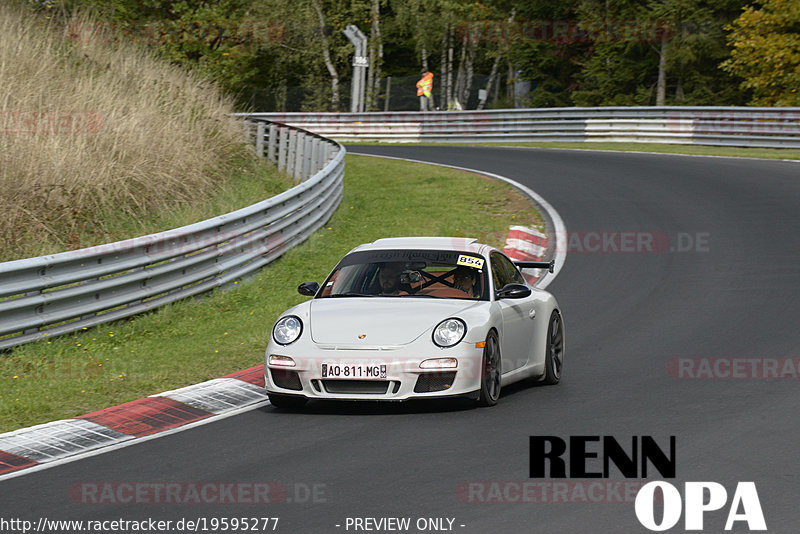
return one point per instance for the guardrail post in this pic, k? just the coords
(260, 139)
(315, 167)
(302, 157)
(291, 153)
(307, 157)
(273, 134)
(282, 134)
(247, 127)
(298, 157)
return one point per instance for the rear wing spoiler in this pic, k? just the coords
(549, 265)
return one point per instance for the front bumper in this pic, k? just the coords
(397, 374)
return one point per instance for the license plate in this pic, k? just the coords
(359, 371)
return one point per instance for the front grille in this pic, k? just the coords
(356, 387)
(283, 378)
(439, 381)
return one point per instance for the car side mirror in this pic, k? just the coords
(308, 289)
(514, 291)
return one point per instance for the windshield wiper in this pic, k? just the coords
(349, 294)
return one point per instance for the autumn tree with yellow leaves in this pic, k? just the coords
(766, 52)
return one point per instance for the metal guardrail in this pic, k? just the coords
(70, 291)
(724, 126)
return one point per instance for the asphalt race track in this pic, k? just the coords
(672, 260)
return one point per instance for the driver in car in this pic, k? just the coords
(389, 278)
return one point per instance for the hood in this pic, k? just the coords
(389, 321)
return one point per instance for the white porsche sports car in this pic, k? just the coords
(416, 317)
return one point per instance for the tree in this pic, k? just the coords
(326, 55)
(547, 49)
(375, 55)
(646, 52)
(692, 44)
(620, 66)
(766, 52)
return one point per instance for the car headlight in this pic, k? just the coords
(449, 332)
(287, 330)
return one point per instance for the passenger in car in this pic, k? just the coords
(464, 280)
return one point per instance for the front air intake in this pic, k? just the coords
(356, 387)
(284, 378)
(430, 382)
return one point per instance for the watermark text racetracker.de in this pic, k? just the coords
(148, 525)
(636, 242)
(162, 32)
(56, 369)
(50, 122)
(733, 368)
(548, 492)
(194, 493)
(735, 122)
(566, 31)
(179, 242)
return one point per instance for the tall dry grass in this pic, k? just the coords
(91, 130)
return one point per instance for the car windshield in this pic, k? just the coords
(409, 274)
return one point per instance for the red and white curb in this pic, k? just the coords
(526, 244)
(52, 443)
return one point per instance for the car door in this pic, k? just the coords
(517, 331)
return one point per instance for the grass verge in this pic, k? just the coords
(196, 340)
(661, 148)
